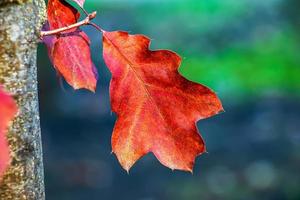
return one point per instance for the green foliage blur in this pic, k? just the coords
(241, 48)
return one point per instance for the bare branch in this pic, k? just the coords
(86, 21)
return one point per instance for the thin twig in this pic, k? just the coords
(76, 25)
(96, 26)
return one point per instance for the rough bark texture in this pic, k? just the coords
(20, 23)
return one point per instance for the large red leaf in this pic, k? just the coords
(70, 50)
(157, 108)
(8, 110)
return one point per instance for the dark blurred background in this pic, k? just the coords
(245, 50)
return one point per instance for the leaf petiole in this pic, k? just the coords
(96, 26)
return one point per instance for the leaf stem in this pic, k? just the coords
(96, 26)
(76, 25)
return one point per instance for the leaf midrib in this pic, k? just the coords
(142, 81)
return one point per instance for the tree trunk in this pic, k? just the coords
(20, 23)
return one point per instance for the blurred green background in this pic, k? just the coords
(245, 50)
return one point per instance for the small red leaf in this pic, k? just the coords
(72, 58)
(70, 50)
(8, 109)
(61, 14)
(157, 108)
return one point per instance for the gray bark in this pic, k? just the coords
(20, 23)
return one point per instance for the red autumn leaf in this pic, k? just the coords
(8, 109)
(70, 50)
(157, 108)
(72, 58)
(61, 14)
